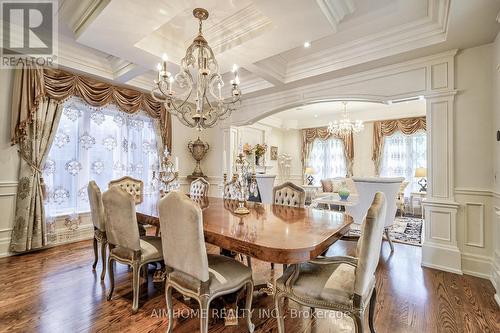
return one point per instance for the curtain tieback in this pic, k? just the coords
(36, 170)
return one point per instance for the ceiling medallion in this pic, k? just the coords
(345, 126)
(199, 73)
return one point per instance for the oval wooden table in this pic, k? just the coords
(272, 233)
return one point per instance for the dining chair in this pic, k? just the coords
(134, 187)
(367, 187)
(289, 194)
(98, 220)
(345, 284)
(125, 244)
(190, 270)
(199, 188)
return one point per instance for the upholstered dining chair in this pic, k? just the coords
(289, 194)
(98, 220)
(135, 187)
(125, 245)
(190, 270)
(199, 188)
(367, 187)
(345, 284)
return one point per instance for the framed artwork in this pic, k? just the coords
(274, 153)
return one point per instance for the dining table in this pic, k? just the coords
(272, 233)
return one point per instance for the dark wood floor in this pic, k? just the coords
(55, 290)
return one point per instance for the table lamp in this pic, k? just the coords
(422, 174)
(309, 172)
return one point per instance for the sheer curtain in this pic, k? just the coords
(327, 157)
(401, 155)
(96, 144)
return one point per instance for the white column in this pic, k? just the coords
(439, 248)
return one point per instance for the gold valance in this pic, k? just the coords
(311, 134)
(31, 85)
(389, 127)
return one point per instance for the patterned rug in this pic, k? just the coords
(406, 230)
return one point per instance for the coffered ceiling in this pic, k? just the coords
(123, 40)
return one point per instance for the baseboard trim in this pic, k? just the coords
(477, 265)
(443, 258)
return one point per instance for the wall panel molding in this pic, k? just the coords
(474, 220)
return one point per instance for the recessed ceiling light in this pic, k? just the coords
(307, 44)
(163, 12)
(315, 116)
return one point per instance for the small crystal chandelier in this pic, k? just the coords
(199, 72)
(345, 126)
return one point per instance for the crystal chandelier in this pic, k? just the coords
(167, 177)
(345, 126)
(198, 81)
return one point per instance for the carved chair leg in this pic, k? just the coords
(136, 270)
(279, 311)
(111, 274)
(96, 256)
(204, 307)
(157, 232)
(371, 310)
(170, 308)
(103, 256)
(386, 230)
(272, 265)
(248, 306)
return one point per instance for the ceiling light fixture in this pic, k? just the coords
(199, 73)
(345, 126)
(307, 44)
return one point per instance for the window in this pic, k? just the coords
(100, 145)
(402, 154)
(327, 158)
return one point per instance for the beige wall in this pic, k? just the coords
(363, 165)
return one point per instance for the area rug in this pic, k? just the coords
(406, 230)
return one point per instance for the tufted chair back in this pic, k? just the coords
(121, 221)
(368, 247)
(227, 189)
(132, 186)
(96, 207)
(199, 188)
(289, 194)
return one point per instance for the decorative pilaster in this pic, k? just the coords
(439, 249)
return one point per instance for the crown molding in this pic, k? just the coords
(81, 15)
(336, 10)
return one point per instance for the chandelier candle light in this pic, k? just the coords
(199, 71)
(345, 126)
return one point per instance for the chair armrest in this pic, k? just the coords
(334, 260)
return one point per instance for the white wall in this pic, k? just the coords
(473, 163)
(363, 165)
(495, 68)
(9, 163)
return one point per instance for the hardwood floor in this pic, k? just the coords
(55, 290)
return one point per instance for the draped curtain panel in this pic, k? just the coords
(37, 101)
(32, 84)
(321, 133)
(385, 128)
(29, 231)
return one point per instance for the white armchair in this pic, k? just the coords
(367, 187)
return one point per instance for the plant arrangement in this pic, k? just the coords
(259, 149)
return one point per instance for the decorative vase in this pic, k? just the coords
(198, 150)
(344, 192)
